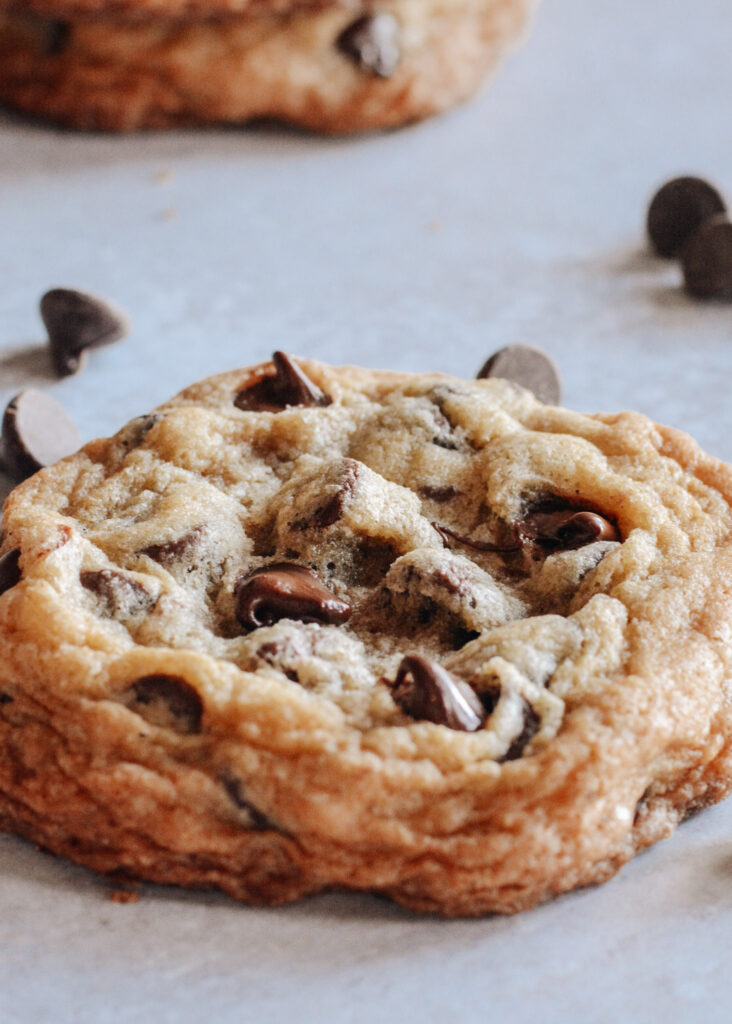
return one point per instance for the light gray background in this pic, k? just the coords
(518, 217)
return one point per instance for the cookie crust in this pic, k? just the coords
(126, 71)
(283, 766)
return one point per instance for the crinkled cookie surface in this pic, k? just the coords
(306, 628)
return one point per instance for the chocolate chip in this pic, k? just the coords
(287, 386)
(10, 573)
(36, 432)
(529, 367)
(286, 590)
(424, 690)
(235, 790)
(566, 528)
(373, 42)
(166, 701)
(677, 210)
(120, 595)
(77, 321)
(333, 510)
(707, 260)
(530, 729)
(439, 494)
(58, 34)
(5, 698)
(173, 551)
(447, 535)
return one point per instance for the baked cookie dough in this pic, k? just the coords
(306, 628)
(327, 65)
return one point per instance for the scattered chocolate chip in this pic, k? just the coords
(58, 34)
(10, 573)
(286, 387)
(479, 545)
(424, 690)
(77, 321)
(707, 260)
(439, 494)
(462, 636)
(530, 729)
(136, 430)
(677, 210)
(373, 42)
(566, 528)
(529, 367)
(166, 701)
(5, 698)
(120, 595)
(286, 590)
(331, 512)
(36, 432)
(259, 822)
(173, 551)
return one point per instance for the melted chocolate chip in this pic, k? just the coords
(77, 321)
(479, 545)
(286, 590)
(530, 729)
(287, 386)
(166, 701)
(57, 37)
(173, 551)
(5, 698)
(235, 790)
(331, 512)
(529, 367)
(120, 595)
(424, 690)
(373, 42)
(36, 432)
(10, 573)
(439, 494)
(677, 210)
(566, 529)
(707, 260)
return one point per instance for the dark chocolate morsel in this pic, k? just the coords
(333, 510)
(479, 545)
(166, 701)
(566, 529)
(10, 573)
(707, 260)
(426, 691)
(172, 551)
(677, 210)
(77, 321)
(120, 595)
(287, 386)
(529, 367)
(36, 432)
(5, 698)
(439, 494)
(373, 42)
(259, 822)
(530, 729)
(57, 37)
(286, 590)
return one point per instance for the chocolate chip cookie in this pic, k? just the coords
(328, 65)
(305, 628)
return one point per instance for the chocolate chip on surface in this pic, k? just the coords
(10, 573)
(332, 511)
(120, 594)
(426, 691)
(707, 260)
(677, 210)
(446, 534)
(166, 701)
(566, 528)
(287, 386)
(173, 551)
(36, 432)
(286, 590)
(532, 721)
(258, 821)
(434, 492)
(373, 42)
(77, 321)
(529, 367)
